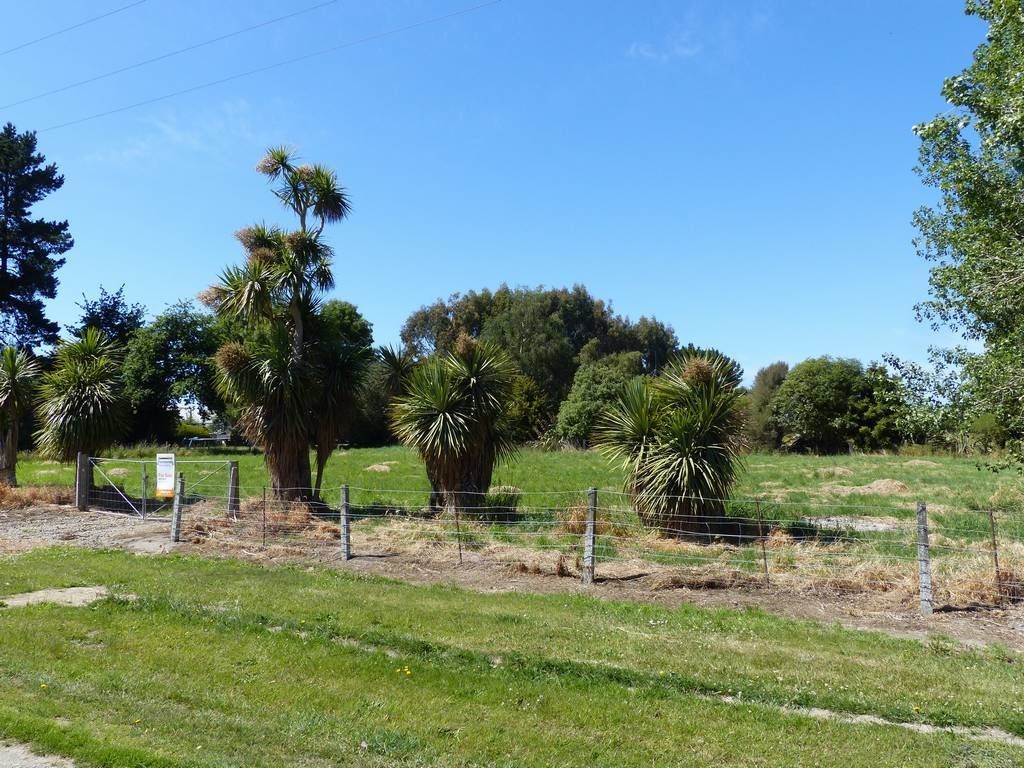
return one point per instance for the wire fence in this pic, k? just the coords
(897, 553)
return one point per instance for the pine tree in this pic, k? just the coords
(30, 248)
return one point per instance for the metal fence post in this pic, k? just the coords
(924, 565)
(346, 533)
(83, 481)
(179, 502)
(234, 503)
(145, 483)
(587, 574)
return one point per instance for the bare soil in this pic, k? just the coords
(511, 571)
(17, 756)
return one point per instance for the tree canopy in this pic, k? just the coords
(30, 248)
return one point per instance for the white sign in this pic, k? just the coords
(165, 475)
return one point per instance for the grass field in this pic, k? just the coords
(221, 663)
(943, 481)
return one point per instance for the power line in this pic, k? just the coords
(169, 54)
(285, 62)
(73, 26)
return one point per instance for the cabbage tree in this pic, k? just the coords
(678, 437)
(19, 374)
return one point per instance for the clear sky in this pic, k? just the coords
(741, 170)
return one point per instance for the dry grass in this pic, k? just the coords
(574, 520)
(884, 487)
(23, 498)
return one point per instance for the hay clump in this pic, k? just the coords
(574, 520)
(884, 487)
(833, 472)
(31, 496)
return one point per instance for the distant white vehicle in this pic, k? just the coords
(206, 442)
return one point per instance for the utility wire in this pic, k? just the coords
(73, 26)
(285, 62)
(169, 54)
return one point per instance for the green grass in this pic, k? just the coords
(960, 482)
(224, 663)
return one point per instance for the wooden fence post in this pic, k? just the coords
(995, 557)
(587, 573)
(234, 503)
(346, 534)
(764, 547)
(83, 481)
(924, 565)
(179, 502)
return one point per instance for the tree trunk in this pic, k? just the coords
(289, 470)
(9, 453)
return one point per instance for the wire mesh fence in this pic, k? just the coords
(970, 557)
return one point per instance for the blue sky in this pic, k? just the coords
(741, 170)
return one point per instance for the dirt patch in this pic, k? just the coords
(75, 597)
(17, 756)
(885, 487)
(921, 463)
(46, 525)
(844, 523)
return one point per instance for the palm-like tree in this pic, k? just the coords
(292, 387)
(678, 437)
(18, 376)
(82, 406)
(453, 412)
(398, 365)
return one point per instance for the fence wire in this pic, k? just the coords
(976, 557)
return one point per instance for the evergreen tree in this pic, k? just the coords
(29, 247)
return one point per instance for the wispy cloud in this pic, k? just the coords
(679, 45)
(210, 131)
(701, 29)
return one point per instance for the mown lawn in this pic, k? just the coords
(223, 663)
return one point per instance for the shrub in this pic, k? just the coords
(594, 388)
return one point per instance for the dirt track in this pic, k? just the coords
(26, 529)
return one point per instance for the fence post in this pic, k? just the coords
(264, 517)
(145, 482)
(83, 481)
(587, 574)
(764, 547)
(346, 534)
(924, 564)
(234, 504)
(995, 557)
(179, 502)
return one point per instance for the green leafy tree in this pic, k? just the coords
(678, 438)
(548, 333)
(973, 154)
(282, 376)
(19, 373)
(82, 405)
(168, 366)
(30, 248)
(537, 341)
(454, 414)
(828, 405)
(111, 314)
(763, 430)
(595, 387)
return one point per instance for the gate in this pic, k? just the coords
(128, 485)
